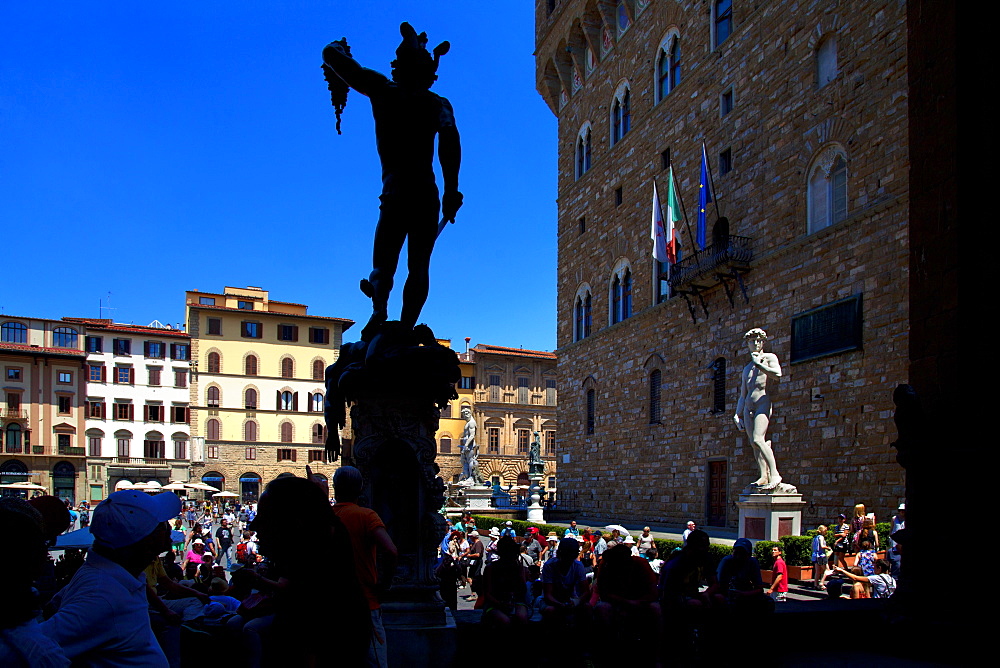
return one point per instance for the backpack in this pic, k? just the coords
(243, 555)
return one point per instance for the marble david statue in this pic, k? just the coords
(753, 410)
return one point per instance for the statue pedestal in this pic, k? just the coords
(770, 515)
(476, 497)
(535, 511)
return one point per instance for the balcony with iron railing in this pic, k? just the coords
(713, 264)
(14, 413)
(69, 451)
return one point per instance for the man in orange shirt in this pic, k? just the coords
(368, 534)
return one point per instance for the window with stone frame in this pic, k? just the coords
(719, 385)
(317, 455)
(621, 114)
(154, 375)
(584, 150)
(94, 446)
(621, 294)
(493, 440)
(494, 387)
(655, 385)
(212, 397)
(64, 403)
(550, 442)
(582, 316)
(287, 368)
(251, 365)
(319, 433)
(250, 431)
(550, 391)
(214, 362)
(213, 430)
(445, 447)
(286, 454)
(722, 21)
(250, 398)
(826, 60)
(286, 432)
(180, 448)
(523, 441)
(523, 390)
(154, 449)
(123, 411)
(212, 451)
(827, 189)
(319, 370)
(668, 65)
(250, 452)
(591, 416)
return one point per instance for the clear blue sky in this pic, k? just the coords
(151, 148)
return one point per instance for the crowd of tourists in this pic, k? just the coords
(245, 577)
(241, 582)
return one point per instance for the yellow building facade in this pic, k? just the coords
(257, 391)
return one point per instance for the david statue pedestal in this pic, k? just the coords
(769, 507)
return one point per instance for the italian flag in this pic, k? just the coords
(663, 232)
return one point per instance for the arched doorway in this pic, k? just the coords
(13, 470)
(64, 481)
(249, 487)
(215, 479)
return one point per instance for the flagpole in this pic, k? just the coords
(687, 223)
(711, 181)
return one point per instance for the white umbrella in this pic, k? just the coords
(152, 484)
(622, 530)
(175, 486)
(123, 484)
(138, 485)
(202, 486)
(225, 494)
(23, 485)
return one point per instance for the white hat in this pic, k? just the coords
(509, 523)
(198, 541)
(473, 533)
(494, 531)
(629, 540)
(128, 516)
(902, 506)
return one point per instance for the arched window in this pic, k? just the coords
(582, 313)
(827, 189)
(584, 151)
(250, 398)
(668, 65)
(319, 369)
(319, 433)
(287, 368)
(285, 401)
(251, 365)
(722, 21)
(445, 445)
(213, 430)
(621, 294)
(655, 382)
(719, 385)
(616, 299)
(621, 114)
(826, 61)
(317, 403)
(250, 431)
(591, 418)
(212, 397)
(286, 432)
(64, 337)
(214, 363)
(13, 332)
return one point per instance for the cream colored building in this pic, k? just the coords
(512, 393)
(258, 389)
(42, 415)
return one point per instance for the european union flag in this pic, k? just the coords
(704, 198)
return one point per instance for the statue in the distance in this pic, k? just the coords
(407, 118)
(470, 450)
(753, 410)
